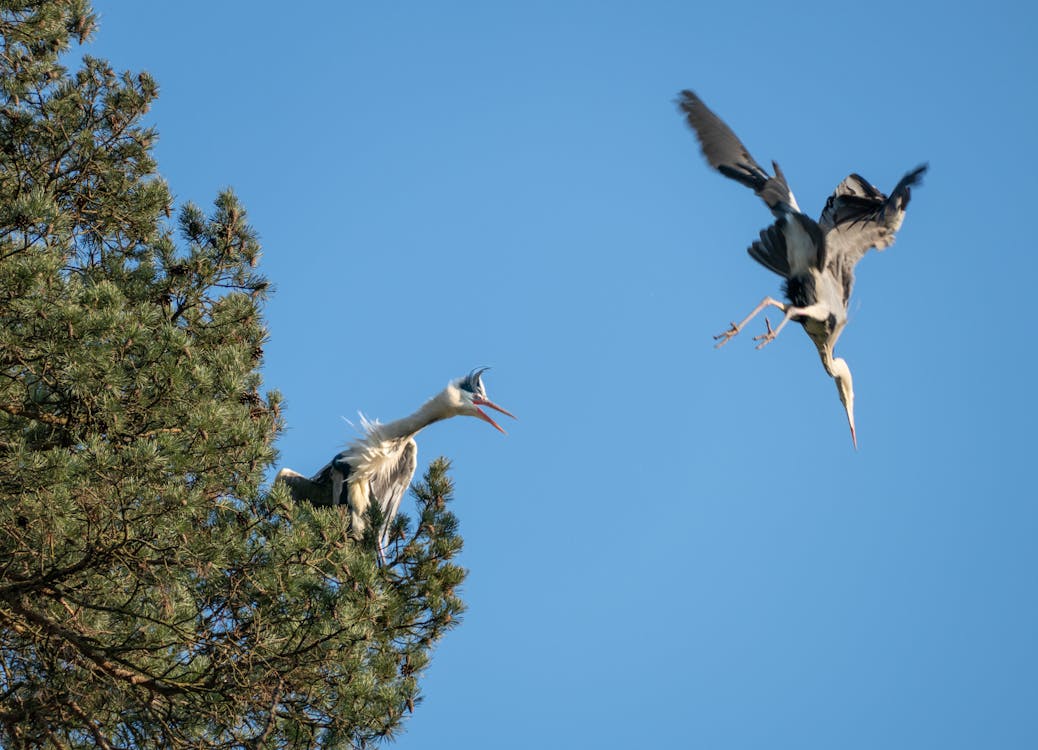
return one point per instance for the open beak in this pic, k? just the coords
(485, 417)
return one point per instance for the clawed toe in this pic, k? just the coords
(765, 338)
(726, 336)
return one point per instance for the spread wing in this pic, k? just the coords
(726, 153)
(858, 217)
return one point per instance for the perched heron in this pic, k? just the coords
(816, 259)
(379, 466)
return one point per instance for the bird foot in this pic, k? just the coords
(726, 336)
(766, 338)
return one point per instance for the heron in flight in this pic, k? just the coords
(816, 259)
(379, 465)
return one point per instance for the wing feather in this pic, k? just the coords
(790, 246)
(770, 251)
(727, 154)
(316, 490)
(858, 217)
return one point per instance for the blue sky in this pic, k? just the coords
(674, 546)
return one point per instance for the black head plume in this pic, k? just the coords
(473, 382)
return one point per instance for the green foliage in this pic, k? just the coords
(152, 592)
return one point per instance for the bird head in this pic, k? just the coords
(468, 394)
(845, 387)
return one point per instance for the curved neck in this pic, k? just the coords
(825, 353)
(431, 411)
(838, 369)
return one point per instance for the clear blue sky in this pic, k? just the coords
(674, 546)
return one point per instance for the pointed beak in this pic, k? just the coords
(850, 421)
(842, 377)
(485, 417)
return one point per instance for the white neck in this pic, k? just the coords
(431, 411)
(825, 352)
(838, 368)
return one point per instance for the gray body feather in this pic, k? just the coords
(816, 259)
(316, 490)
(379, 466)
(856, 217)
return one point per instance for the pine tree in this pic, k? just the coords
(153, 592)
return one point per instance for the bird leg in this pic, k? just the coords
(767, 338)
(736, 328)
(767, 324)
(817, 311)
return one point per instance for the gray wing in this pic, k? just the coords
(391, 482)
(790, 245)
(316, 490)
(726, 153)
(858, 217)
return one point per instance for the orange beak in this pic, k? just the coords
(478, 402)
